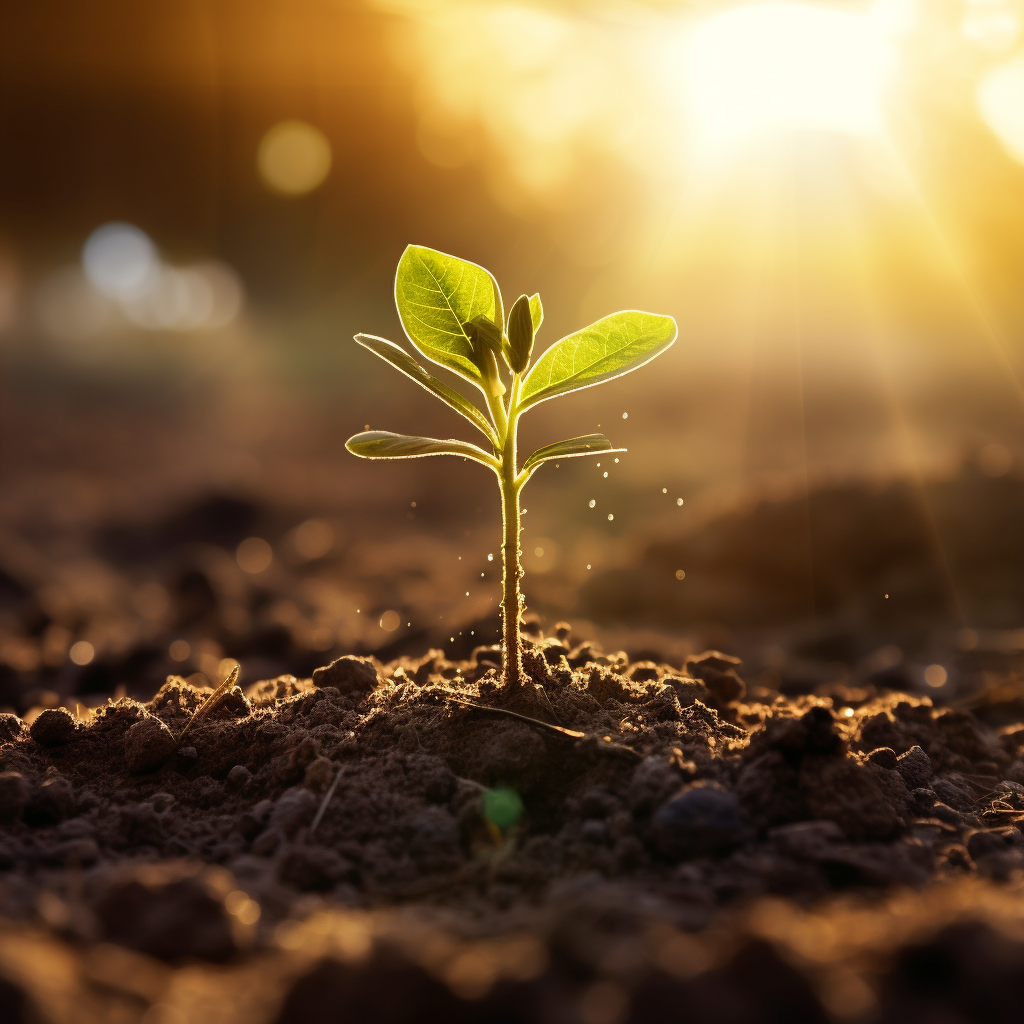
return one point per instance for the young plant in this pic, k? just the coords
(453, 314)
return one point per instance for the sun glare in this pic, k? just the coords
(755, 69)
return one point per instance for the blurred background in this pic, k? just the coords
(201, 203)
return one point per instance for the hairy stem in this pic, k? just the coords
(511, 565)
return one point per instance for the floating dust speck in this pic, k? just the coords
(605, 474)
(390, 621)
(664, 490)
(679, 501)
(625, 415)
(680, 574)
(936, 676)
(490, 558)
(610, 517)
(593, 502)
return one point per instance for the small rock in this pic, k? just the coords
(239, 776)
(984, 844)
(916, 768)
(15, 792)
(294, 807)
(347, 675)
(884, 757)
(314, 868)
(689, 690)
(54, 727)
(11, 727)
(699, 821)
(266, 844)
(718, 673)
(147, 744)
(55, 798)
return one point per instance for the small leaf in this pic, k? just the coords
(605, 350)
(436, 294)
(536, 311)
(404, 363)
(588, 444)
(382, 444)
(520, 334)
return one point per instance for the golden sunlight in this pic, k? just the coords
(760, 68)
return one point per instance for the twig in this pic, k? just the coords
(561, 730)
(326, 800)
(204, 709)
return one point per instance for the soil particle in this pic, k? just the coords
(54, 727)
(348, 675)
(147, 745)
(699, 821)
(15, 791)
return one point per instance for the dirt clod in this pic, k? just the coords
(54, 727)
(147, 745)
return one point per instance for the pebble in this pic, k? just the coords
(239, 775)
(147, 744)
(54, 727)
(699, 821)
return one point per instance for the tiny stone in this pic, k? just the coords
(54, 727)
(147, 744)
(239, 775)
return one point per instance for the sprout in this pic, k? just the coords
(452, 313)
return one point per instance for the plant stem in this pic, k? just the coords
(511, 565)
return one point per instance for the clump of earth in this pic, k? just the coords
(386, 836)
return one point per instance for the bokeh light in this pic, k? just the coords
(294, 158)
(120, 261)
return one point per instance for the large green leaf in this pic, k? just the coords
(382, 444)
(436, 294)
(588, 444)
(404, 363)
(611, 347)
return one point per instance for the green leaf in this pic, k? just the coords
(436, 294)
(404, 363)
(536, 311)
(605, 350)
(588, 444)
(382, 444)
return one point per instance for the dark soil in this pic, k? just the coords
(674, 841)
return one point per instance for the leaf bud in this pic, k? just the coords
(520, 334)
(485, 339)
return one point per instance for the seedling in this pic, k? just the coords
(453, 314)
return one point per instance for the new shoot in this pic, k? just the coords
(453, 314)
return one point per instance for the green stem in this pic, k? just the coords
(511, 564)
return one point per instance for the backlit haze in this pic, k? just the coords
(200, 205)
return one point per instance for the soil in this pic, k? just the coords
(383, 838)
